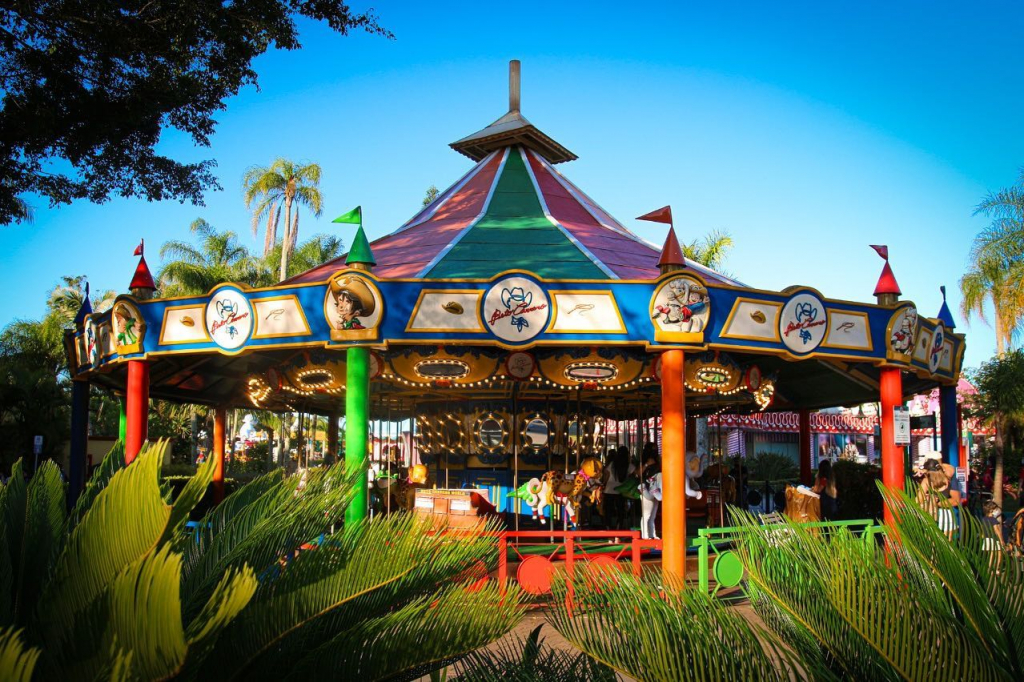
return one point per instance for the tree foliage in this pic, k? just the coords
(710, 251)
(995, 274)
(89, 86)
(194, 269)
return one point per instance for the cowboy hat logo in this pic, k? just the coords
(516, 300)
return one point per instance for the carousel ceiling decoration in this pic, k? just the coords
(713, 372)
(590, 368)
(443, 366)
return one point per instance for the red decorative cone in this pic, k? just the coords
(671, 254)
(143, 278)
(887, 282)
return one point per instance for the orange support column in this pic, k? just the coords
(673, 465)
(806, 472)
(219, 419)
(136, 409)
(891, 390)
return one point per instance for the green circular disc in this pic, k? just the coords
(728, 569)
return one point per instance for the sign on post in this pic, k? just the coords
(37, 445)
(901, 424)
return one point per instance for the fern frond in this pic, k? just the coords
(17, 660)
(434, 632)
(638, 628)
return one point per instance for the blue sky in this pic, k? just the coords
(807, 130)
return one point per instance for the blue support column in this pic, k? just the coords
(79, 440)
(950, 425)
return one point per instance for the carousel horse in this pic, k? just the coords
(568, 490)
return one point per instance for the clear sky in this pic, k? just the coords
(807, 130)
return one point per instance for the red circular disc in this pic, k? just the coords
(534, 575)
(603, 561)
(601, 571)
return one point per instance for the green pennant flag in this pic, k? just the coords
(353, 217)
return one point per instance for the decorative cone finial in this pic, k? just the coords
(360, 255)
(142, 286)
(671, 255)
(945, 316)
(887, 290)
(85, 308)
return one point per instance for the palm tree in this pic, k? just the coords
(67, 298)
(282, 184)
(193, 269)
(315, 251)
(996, 271)
(709, 251)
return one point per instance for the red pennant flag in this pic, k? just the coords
(882, 251)
(140, 248)
(662, 215)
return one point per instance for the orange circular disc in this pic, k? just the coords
(534, 575)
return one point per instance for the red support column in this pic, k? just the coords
(891, 390)
(137, 409)
(219, 419)
(806, 474)
(673, 465)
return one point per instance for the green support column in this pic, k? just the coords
(357, 428)
(122, 424)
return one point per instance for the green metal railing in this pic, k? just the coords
(728, 568)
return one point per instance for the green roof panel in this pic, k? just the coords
(514, 233)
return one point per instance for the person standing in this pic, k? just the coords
(618, 471)
(650, 497)
(825, 487)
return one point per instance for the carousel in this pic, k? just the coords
(518, 331)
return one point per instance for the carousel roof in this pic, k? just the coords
(512, 210)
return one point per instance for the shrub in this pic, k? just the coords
(119, 589)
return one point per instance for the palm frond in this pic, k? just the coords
(922, 543)
(345, 582)
(17, 660)
(112, 462)
(263, 532)
(530, 659)
(876, 613)
(311, 198)
(639, 628)
(41, 521)
(123, 525)
(435, 631)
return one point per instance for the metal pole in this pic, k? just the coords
(515, 448)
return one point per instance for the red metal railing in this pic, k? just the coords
(566, 546)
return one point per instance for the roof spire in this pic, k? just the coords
(945, 316)
(513, 86)
(887, 290)
(142, 286)
(672, 258)
(360, 256)
(85, 308)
